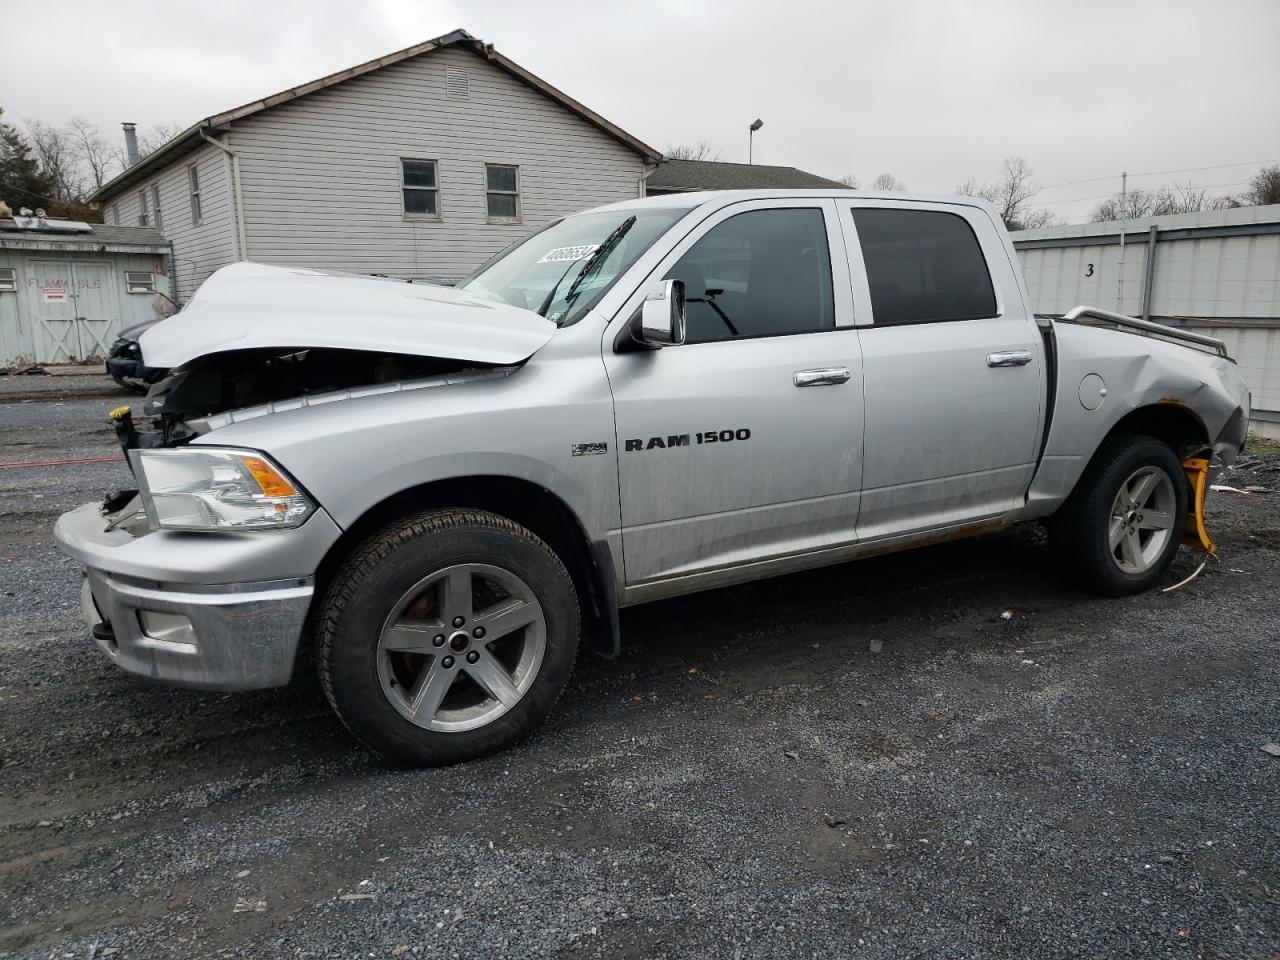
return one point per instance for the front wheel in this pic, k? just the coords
(1120, 529)
(448, 635)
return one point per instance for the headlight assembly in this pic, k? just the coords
(216, 488)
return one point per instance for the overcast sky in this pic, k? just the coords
(932, 91)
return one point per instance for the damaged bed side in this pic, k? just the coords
(1163, 389)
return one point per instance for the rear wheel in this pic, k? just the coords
(1120, 529)
(449, 635)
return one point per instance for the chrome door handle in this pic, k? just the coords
(821, 376)
(1009, 358)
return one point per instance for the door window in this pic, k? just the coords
(923, 266)
(758, 274)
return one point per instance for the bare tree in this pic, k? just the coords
(1013, 192)
(702, 150)
(887, 182)
(55, 152)
(156, 137)
(1131, 206)
(1034, 219)
(1264, 186)
(1011, 195)
(100, 159)
(1159, 202)
(849, 180)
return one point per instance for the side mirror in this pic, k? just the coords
(662, 315)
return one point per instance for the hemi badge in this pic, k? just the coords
(589, 449)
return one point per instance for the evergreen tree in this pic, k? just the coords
(22, 184)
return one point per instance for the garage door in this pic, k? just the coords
(73, 304)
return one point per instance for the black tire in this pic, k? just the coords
(377, 576)
(131, 386)
(1079, 531)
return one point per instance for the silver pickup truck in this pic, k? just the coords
(444, 491)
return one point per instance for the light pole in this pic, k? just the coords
(751, 134)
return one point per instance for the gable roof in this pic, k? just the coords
(679, 176)
(193, 136)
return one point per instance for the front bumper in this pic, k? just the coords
(215, 611)
(241, 636)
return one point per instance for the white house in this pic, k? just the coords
(420, 164)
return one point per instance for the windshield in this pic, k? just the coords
(562, 270)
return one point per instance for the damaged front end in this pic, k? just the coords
(257, 339)
(203, 575)
(236, 385)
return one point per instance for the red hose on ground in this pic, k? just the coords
(59, 463)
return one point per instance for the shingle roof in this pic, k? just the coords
(99, 234)
(189, 139)
(682, 175)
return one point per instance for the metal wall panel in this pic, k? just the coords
(1221, 266)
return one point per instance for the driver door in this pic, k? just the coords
(744, 444)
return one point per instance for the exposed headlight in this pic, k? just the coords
(212, 488)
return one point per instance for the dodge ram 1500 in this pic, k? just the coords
(446, 489)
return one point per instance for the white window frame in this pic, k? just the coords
(144, 209)
(8, 279)
(193, 189)
(439, 214)
(139, 281)
(115, 214)
(157, 219)
(519, 217)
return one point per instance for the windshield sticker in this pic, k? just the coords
(567, 254)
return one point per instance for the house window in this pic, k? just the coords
(420, 188)
(193, 184)
(115, 214)
(155, 205)
(502, 191)
(144, 216)
(8, 279)
(139, 281)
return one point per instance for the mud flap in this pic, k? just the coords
(1194, 533)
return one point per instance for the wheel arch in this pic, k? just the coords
(590, 564)
(1169, 420)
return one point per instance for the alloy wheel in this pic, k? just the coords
(1142, 519)
(461, 647)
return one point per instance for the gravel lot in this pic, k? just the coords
(751, 779)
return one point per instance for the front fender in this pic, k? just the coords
(353, 454)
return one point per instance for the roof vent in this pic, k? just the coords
(457, 83)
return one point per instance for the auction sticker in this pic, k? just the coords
(567, 254)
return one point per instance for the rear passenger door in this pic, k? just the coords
(953, 366)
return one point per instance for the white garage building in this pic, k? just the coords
(67, 288)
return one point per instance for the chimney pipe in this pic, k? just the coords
(130, 143)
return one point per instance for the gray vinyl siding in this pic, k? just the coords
(321, 174)
(199, 249)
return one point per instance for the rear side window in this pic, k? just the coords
(923, 266)
(758, 274)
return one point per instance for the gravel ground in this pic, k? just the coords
(866, 761)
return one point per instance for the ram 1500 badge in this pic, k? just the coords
(446, 491)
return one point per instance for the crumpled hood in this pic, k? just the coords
(251, 305)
